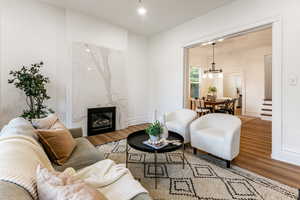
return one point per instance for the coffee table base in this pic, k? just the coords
(155, 162)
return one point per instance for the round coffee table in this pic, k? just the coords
(136, 139)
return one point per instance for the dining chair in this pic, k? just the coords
(201, 109)
(229, 107)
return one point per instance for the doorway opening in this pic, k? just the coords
(244, 62)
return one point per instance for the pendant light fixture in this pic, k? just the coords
(213, 71)
(141, 10)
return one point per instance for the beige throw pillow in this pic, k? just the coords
(58, 144)
(45, 123)
(58, 125)
(61, 186)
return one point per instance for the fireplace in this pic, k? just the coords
(101, 120)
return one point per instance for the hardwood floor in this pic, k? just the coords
(255, 154)
(255, 150)
(116, 135)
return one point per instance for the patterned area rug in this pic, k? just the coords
(203, 177)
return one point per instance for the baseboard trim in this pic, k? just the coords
(138, 120)
(252, 114)
(287, 157)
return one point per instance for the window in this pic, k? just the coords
(195, 74)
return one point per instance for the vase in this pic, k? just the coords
(165, 133)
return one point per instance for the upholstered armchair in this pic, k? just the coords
(179, 122)
(217, 134)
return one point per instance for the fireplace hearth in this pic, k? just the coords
(101, 120)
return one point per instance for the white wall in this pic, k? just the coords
(32, 31)
(83, 28)
(167, 65)
(137, 76)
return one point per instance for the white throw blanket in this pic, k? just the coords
(19, 157)
(114, 181)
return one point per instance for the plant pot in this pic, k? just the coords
(154, 139)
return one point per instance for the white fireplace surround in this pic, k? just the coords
(98, 81)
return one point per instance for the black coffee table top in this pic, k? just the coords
(136, 139)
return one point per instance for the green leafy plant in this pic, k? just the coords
(212, 89)
(30, 80)
(155, 129)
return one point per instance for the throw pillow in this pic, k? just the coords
(58, 144)
(61, 186)
(45, 123)
(58, 125)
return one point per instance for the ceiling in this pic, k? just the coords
(162, 14)
(229, 46)
(249, 40)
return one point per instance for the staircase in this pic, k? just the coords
(266, 110)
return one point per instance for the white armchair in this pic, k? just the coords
(179, 122)
(217, 134)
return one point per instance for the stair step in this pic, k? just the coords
(266, 109)
(267, 104)
(267, 99)
(264, 114)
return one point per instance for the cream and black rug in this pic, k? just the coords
(204, 177)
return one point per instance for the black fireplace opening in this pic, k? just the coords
(101, 120)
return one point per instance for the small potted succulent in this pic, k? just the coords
(154, 131)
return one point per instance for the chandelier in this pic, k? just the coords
(213, 71)
(141, 10)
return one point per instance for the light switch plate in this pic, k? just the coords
(293, 80)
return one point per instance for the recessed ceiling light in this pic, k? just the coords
(88, 50)
(141, 10)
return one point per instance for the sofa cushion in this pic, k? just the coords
(84, 154)
(58, 144)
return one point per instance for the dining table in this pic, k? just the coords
(214, 103)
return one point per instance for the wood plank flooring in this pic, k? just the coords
(116, 135)
(255, 150)
(255, 154)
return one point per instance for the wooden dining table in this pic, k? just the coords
(214, 103)
(208, 103)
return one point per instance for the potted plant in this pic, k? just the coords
(212, 90)
(30, 80)
(154, 131)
